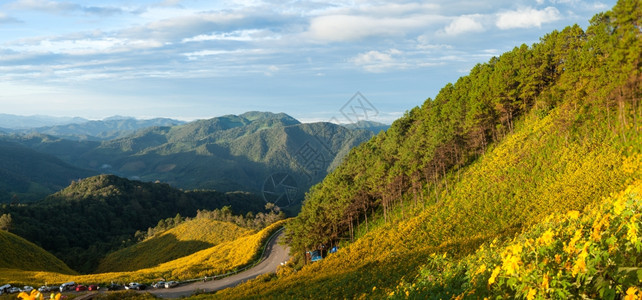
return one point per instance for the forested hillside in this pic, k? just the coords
(26, 175)
(542, 129)
(96, 215)
(228, 153)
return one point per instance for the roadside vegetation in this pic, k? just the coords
(528, 137)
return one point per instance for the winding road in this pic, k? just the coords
(275, 254)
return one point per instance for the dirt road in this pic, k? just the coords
(275, 255)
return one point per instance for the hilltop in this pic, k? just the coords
(228, 153)
(532, 136)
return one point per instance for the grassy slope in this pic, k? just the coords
(546, 166)
(219, 259)
(20, 253)
(185, 239)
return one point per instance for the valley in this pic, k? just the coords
(520, 180)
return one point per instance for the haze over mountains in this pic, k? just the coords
(225, 153)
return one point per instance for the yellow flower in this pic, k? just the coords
(573, 214)
(481, 269)
(619, 204)
(493, 276)
(580, 263)
(547, 238)
(630, 293)
(632, 233)
(570, 248)
(531, 294)
(374, 288)
(558, 258)
(511, 264)
(545, 282)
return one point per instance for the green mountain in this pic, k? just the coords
(514, 182)
(100, 214)
(20, 254)
(375, 127)
(110, 128)
(27, 175)
(228, 153)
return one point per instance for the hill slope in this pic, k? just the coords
(27, 175)
(539, 130)
(100, 214)
(185, 239)
(18, 253)
(219, 259)
(227, 153)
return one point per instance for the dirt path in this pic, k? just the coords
(275, 255)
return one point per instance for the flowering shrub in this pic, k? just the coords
(592, 254)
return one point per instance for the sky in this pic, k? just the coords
(314, 60)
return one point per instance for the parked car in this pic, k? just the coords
(170, 284)
(27, 289)
(45, 288)
(135, 286)
(67, 286)
(80, 288)
(114, 287)
(4, 289)
(158, 285)
(93, 287)
(13, 290)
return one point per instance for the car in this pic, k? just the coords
(13, 290)
(27, 289)
(4, 288)
(67, 286)
(44, 288)
(80, 288)
(114, 287)
(170, 284)
(135, 286)
(93, 287)
(158, 285)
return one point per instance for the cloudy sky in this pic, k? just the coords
(200, 59)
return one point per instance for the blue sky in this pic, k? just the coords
(200, 59)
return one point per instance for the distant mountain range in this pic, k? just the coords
(24, 122)
(82, 129)
(270, 154)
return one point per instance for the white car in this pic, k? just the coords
(135, 286)
(13, 290)
(170, 284)
(27, 289)
(67, 286)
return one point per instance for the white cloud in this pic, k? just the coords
(527, 17)
(340, 28)
(464, 24)
(376, 61)
(61, 7)
(73, 45)
(43, 5)
(237, 35)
